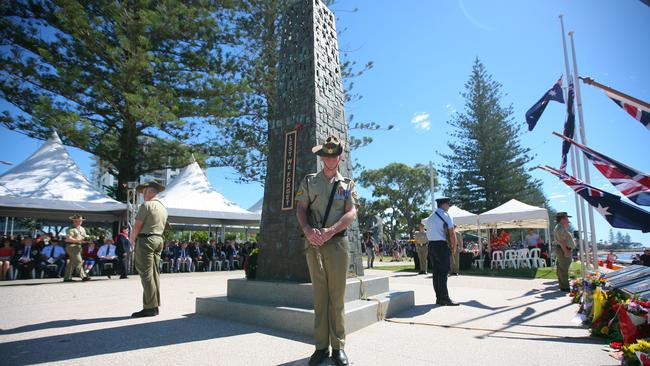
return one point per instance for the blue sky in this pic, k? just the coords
(423, 52)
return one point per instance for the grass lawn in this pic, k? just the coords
(544, 273)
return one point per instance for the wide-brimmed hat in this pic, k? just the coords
(153, 184)
(443, 200)
(76, 217)
(332, 147)
(560, 215)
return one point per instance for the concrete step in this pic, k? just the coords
(300, 294)
(358, 313)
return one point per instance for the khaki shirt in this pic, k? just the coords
(560, 233)
(153, 215)
(315, 189)
(77, 234)
(421, 238)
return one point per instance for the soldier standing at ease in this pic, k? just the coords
(148, 230)
(326, 205)
(564, 244)
(74, 238)
(455, 255)
(442, 237)
(421, 246)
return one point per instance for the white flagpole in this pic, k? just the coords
(433, 188)
(580, 219)
(583, 138)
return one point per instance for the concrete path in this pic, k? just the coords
(501, 322)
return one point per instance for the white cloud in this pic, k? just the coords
(450, 109)
(421, 121)
(557, 195)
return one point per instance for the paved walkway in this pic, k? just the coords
(511, 321)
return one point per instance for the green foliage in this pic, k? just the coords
(487, 164)
(139, 84)
(403, 189)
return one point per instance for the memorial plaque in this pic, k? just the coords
(309, 107)
(288, 185)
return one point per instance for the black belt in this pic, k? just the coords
(437, 241)
(341, 233)
(146, 235)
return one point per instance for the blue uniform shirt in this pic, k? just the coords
(435, 227)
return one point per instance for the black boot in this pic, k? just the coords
(319, 356)
(339, 356)
(145, 312)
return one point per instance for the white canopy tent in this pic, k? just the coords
(464, 220)
(191, 199)
(49, 185)
(514, 215)
(257, 207)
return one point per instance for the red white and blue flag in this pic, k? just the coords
(618, 213)
(569, 126)
(535, 112)
(635, 185)
(635, 110)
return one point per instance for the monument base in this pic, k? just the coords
(289, 306)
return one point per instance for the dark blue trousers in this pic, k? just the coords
(440, 257)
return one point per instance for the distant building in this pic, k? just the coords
(102, 178)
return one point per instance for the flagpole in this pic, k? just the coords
(590, 81)
(580, 219)
(583, 138)
(433, 188)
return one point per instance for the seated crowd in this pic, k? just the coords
(46, 257)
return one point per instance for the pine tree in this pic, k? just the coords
(487, 164)
(611, 236)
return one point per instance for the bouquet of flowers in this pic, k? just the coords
(634, 320)
(637, 353)
(606, 324)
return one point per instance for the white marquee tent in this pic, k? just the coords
(257, 207)
(191, 199)
(464, 220)
(514, 215)
(49, 185)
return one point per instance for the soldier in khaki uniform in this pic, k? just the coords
(148, 230)
(74, 238)
(326, 246)
(422, 248)
(455, 255)
(564, 244)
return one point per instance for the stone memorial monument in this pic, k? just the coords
(309, 107)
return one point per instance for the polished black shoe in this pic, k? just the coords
(123, 277)
(86, 279)
(319, 356)
(145, 312)
(68, 280)
(339, 356)
(447, 302)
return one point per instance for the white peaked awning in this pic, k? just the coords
(514, 215)
(191, 199)
(257, 207)
(464, 220)
(49, 185)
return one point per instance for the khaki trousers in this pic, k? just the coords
(423, 254)
(455, 259)
(74, 252)
(329, 292)
(563, 263)
(147, 263)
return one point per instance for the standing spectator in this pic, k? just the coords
(183, 257)
(25, 258)
(54, 254)
(89, 255)
(123, 250)
(611, 258)
(442, 241)
(422, 248)
(369, 243)
(107, 254)
(532, 239)
(6, 256)
(645, 257)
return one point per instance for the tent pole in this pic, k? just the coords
(6, 224)
(12, 227)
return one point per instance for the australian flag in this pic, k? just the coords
(618, 213)
(533, 114)
(635, 110)
(635, 185)
(569, 127)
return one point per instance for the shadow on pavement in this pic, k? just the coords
(305, 361)
(417, 310)
(479, 305)
(191, 328)
(59, 324)
(574, 340)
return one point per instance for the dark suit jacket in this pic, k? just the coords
(122, 245)
(33, 253)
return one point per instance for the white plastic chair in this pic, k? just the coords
(511, 259)
(536, 258)
(523, 258)
(497, 259)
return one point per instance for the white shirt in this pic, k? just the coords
(435, 227)
(106, 250)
